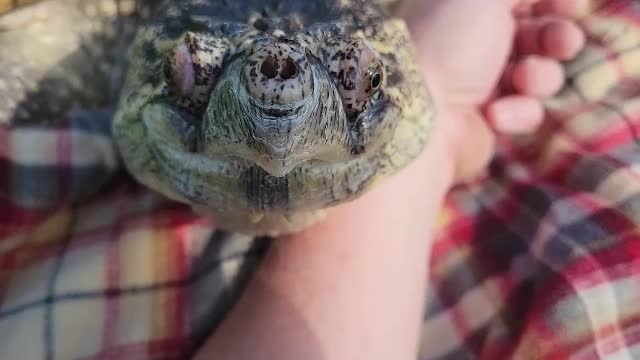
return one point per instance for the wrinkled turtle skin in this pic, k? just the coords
(259, 113)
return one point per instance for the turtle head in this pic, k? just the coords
(258, 121)
(279, 102)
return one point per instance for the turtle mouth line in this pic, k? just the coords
(168, 155)
(274, 166)
(170, 139)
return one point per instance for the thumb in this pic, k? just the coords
(474, 145)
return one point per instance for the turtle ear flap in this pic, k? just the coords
(178, 70)
(193, 66)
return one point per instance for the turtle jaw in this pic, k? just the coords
(226, 181)
(166, 127)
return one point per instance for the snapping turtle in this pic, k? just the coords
(261, 113)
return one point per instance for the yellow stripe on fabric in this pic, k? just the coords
(54, 228)
(596, 81)
(557, 146)
(445, 217)
(162, 306)
(593, 123)
(630, 61)
(144, 261)
(598, 74)
(531, 347)
(454, 259)
(137, 257)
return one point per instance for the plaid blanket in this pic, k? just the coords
(540, 259)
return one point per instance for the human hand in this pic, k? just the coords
(352, 286)
(489, 63)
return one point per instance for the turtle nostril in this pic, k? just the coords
(289, 69)
(260, 24)
(269, 67)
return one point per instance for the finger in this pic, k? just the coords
(565, 8)
(515, 114)
(561, 39)
(471, 160)
(537, 76)
(556, 38)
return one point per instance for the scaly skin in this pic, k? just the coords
(199, 119)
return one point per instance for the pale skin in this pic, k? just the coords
(352, 287)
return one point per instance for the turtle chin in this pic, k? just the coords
(276, 167)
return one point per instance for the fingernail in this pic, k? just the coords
(538, 76)
(562, 40)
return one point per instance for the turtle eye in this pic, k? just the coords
(376, 81)
(192, 67)
(374, 78)
(359, 75)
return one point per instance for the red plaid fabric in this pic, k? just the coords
(539, 260)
